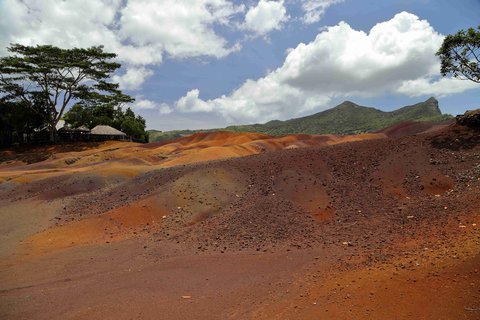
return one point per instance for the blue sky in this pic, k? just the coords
(212, 63)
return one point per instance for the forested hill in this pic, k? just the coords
(349, 118)
(346, 118)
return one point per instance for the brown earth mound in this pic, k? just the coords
(413, 127)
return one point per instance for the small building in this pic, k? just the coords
(83, 129)
(73, 134)
(103, 132)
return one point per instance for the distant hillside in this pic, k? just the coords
(349, 118)
(346, 118)
(156, 135)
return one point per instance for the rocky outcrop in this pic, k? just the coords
(470, 118)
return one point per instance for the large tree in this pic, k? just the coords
(57, 78)
(460, 55)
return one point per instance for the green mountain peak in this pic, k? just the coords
(346, 118)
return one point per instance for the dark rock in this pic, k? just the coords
(471, 118)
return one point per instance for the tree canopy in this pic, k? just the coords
(90, 116)
(48, 80)
(460, 55)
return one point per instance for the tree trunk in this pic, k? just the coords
(53, 133)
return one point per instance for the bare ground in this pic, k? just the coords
(375, 229)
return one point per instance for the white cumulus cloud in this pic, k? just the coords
(265, 17)
(181, 28)
(140, 32)
(315, 9)
(191, 103)
(342, 59)
(145, 104)
(396, 56)
(133, 78)
(435, 87)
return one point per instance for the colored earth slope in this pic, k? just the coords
(377, 226)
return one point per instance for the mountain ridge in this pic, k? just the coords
(345, 118)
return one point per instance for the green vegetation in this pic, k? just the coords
(107, 114)
(460, 55)
(346, 118)
(159, 136)
(18, 121)
(48, 80)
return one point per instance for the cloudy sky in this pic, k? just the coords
(210, 63)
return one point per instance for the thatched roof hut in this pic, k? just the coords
(65, 130)
(103, 130)
(67, 133)
(82, 129)
(102, 133)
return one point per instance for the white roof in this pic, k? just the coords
(106, 131)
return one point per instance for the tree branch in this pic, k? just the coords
(460, 58)
(473, 52)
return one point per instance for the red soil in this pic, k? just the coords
(379, 228)
(413, 127)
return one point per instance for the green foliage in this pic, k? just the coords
(16, 120)
(56, 78)
(159, 136)
(460, 55)
(91, 116)
(346, 118)
(76, 116)
(132, 126)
